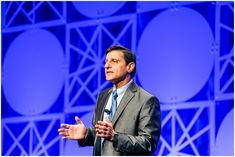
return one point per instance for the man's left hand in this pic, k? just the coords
(105, 129)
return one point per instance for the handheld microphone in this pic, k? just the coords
(107, 111)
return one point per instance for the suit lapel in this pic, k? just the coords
(102, 104)
(130, 93)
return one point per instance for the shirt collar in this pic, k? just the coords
(123, 88)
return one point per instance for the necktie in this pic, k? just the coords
(112, 112)
(114, 104)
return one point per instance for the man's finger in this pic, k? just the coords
(66, 138)
(63, 133)
(100, 123)
(101, 131)
(66, 126)
(62, 129)
(103, 135)
(78, 120)
(97, 126)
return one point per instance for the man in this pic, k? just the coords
(126, 120)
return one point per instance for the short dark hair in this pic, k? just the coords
(128, 55)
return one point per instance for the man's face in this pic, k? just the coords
(115, 66)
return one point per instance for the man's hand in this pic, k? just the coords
(73, 132)
(105, 129)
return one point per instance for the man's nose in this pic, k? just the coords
(107, 65)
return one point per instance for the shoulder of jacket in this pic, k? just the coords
(104, 92)
(145, 92)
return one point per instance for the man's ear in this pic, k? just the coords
(130, 67)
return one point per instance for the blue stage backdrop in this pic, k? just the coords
(53, 69)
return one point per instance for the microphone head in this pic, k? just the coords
(107, 111)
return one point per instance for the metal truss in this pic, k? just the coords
(184, 138)
(21, 15)
(22, 130)
(222, 62)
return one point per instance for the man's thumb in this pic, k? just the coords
(108, 120)
(78, 120)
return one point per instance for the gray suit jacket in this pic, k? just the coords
(137, 122)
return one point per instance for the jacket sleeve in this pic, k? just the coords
(148, 133)
(89, 138)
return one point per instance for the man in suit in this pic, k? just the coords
(126, 120)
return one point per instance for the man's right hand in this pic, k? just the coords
(73, 132)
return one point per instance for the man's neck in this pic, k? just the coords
(122, 83)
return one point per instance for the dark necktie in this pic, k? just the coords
(114, 104)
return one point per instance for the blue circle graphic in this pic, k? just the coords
(175, 58)
(98, 9)
(32, 70)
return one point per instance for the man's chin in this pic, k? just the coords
(110, 79)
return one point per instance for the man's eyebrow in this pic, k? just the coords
(112, 58)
